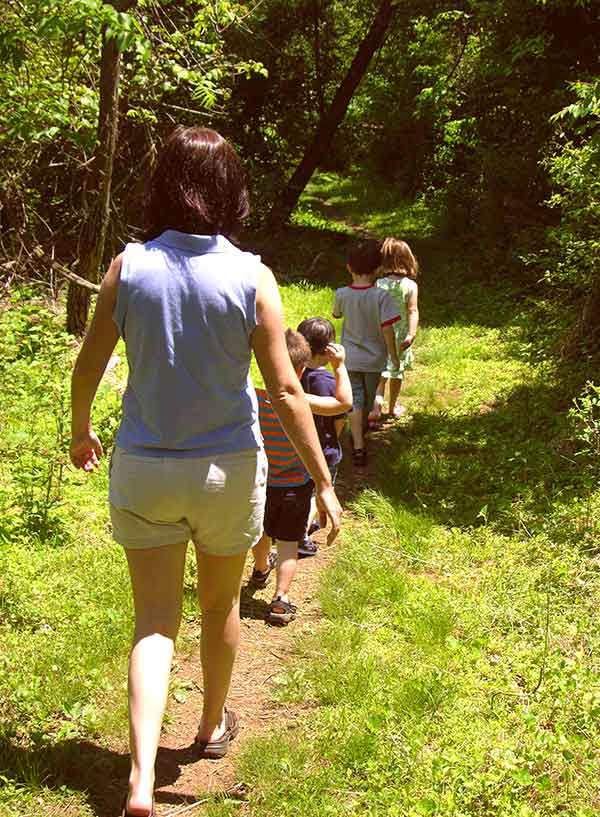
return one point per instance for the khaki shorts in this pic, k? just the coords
(218, 501)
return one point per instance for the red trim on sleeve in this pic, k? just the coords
(392, 321)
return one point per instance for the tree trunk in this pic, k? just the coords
(93, 233)
(589, 323)
(319, 86)
(288, 198)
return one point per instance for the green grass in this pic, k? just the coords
(455, 671)
(337, 203)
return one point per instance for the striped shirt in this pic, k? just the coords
(285, 466)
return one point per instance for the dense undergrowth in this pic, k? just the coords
(455, 671)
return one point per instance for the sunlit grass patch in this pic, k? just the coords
(422, 693)
(366, 201)
(301, 300)
(454, 673)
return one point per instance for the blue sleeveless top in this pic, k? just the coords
(186, 308)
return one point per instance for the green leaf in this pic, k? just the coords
(426, 806)
(180, 695)
(522, 777)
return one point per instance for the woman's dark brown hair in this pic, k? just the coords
(198, 186)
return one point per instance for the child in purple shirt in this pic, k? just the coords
(317, 380)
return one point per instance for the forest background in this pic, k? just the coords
(470, 128)
(487, 111)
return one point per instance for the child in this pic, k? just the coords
(401, 270)
(317, 380)
(367, 335)
(289, 487)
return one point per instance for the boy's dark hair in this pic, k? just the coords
(298, 349)
(318, 332)
(365, 257)
(198, 186)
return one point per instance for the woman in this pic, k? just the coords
(188, 461)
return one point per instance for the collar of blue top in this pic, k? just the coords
(197, 244)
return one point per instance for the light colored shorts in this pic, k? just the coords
(218, 502)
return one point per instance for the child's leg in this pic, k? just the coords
(395, 386)
(375, 413)
(357, 415)
(261, 551)
(356, 428)
(287, 562)
(371, 384)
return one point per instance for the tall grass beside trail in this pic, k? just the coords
(456, 672)
(302, 299)
(65, 606)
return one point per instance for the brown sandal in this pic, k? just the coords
(215, 749)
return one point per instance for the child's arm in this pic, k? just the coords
(390, 342)
(342, 402)
(412, 309)
(389, 315)
(337, 307)
(288, 398)
(339, 426)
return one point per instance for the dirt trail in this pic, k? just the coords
(265, 652)
(183, 782)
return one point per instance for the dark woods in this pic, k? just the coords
(489, 112)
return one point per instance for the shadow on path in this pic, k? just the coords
(81, 764)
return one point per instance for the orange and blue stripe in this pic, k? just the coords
(285, 466)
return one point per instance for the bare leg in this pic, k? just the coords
(356, 428)
(375, 413)
(219, 579)
(157, 581)
(261, 551)
(313, 513)
(395, 386)
(287, 561)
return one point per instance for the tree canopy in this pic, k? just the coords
(485, 109)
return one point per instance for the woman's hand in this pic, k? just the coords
(329, 508)
(85, 451)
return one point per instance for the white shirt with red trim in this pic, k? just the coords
(365, 310)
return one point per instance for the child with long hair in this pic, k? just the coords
(401, 269)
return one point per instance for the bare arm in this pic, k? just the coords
(342, 401)
(95, 353)
(412, 309)
(390, 342)
(287, 396)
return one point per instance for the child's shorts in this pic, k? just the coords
(287, 511)
(217, 501)
(364, 386)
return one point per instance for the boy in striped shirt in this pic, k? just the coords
(289, 486)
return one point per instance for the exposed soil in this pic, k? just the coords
(265, 652)
(183, 782)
